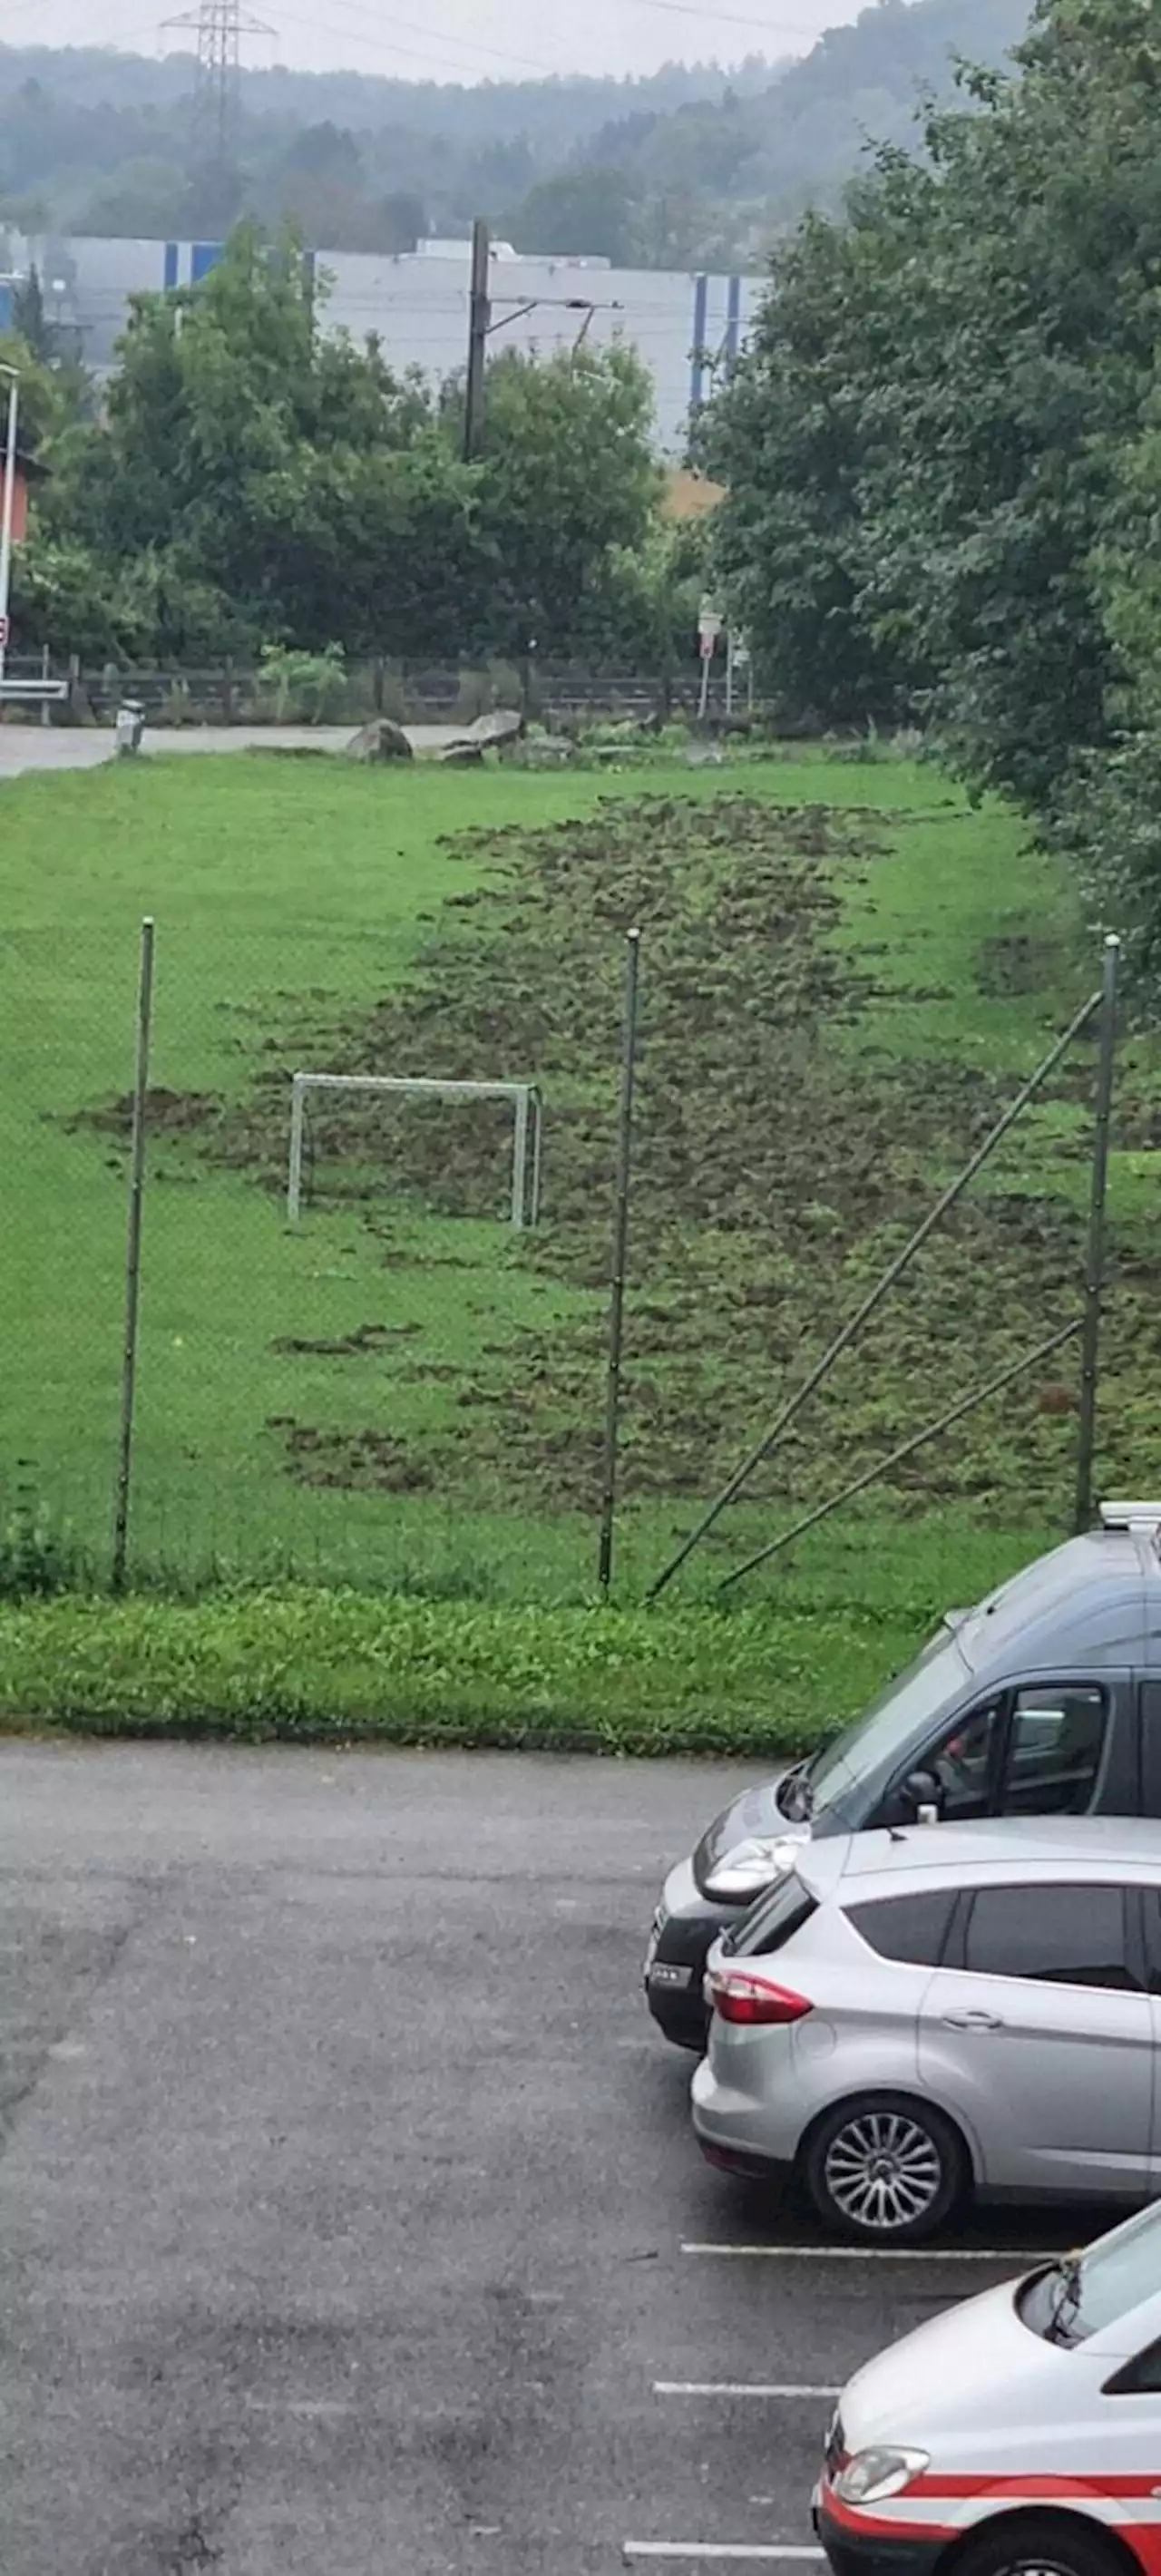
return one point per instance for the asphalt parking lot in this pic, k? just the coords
(350, 2222)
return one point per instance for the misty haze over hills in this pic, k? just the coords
(695, 166)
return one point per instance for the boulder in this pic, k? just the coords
(461, 755)
(380, 740)
(503, 724)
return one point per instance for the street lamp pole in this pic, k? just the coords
(8, 508)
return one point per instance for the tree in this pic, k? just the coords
(1027, 350)
(586, 212)
(567, 478)
(257, 480)
(269, 481)
(791, 438)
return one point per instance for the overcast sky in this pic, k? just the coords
(459, 39)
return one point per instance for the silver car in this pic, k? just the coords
(909, 2017)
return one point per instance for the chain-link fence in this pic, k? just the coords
(351, 1363)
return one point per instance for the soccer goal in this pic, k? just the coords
(527, 1126)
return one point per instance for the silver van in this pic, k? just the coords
(1043, 1700)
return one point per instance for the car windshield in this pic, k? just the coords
(884, 1729)
(1084, 2293)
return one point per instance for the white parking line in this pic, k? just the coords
(739, 2388)
(708, 2551)
(879, 2253)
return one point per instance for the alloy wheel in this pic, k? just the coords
(883, 2171)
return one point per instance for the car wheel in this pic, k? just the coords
(1038, 2545)
(886, 2170)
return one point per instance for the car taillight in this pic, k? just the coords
(738, 1996)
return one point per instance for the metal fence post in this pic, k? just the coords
(133, 1254)
(1095, 1264)
(620, 1256)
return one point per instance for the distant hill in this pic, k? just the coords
(696, 166)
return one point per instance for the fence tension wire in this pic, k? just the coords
(907, 1449)
(850, 1330)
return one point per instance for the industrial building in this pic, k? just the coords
(685, 327)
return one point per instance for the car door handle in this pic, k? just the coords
(972, 2021)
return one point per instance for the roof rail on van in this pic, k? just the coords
(1131, 1516)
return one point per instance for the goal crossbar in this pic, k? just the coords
(527, 1126)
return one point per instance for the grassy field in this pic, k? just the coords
(845, 973)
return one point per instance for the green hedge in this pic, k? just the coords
(326, 1665)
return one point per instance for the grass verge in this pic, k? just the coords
(338, 1666)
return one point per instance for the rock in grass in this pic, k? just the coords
(500, 726)
(380, 740)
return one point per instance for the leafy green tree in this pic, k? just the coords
(922, 449)
(567, 480)
(282, 471)
(792, 438)
(1028, 347)
(590, 212)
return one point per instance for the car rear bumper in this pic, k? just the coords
(856, 2548)
(746, 2132)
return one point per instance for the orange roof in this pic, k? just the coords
(691, 496)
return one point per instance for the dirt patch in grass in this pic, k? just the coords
(1020, 961)
(366, 1339)
(167, 1113)
(777, 1167)
(366, 1461)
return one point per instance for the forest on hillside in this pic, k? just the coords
(697, 165)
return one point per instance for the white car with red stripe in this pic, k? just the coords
(1019, 2435)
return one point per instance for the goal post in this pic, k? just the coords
(527, 1126)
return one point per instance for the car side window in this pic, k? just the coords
(772, 1922)
(1056, 1737)
(963, 1766)
(1055, 1935)
(913, 1927)
(1139, 2377)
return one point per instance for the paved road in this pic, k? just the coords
(344, 2189)
(29, 747)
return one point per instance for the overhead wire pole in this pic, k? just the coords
(479, 326)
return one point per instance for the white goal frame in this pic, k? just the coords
(527, 1127)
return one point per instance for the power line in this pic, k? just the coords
(708, 9)
(440, 36)
(385, 44)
